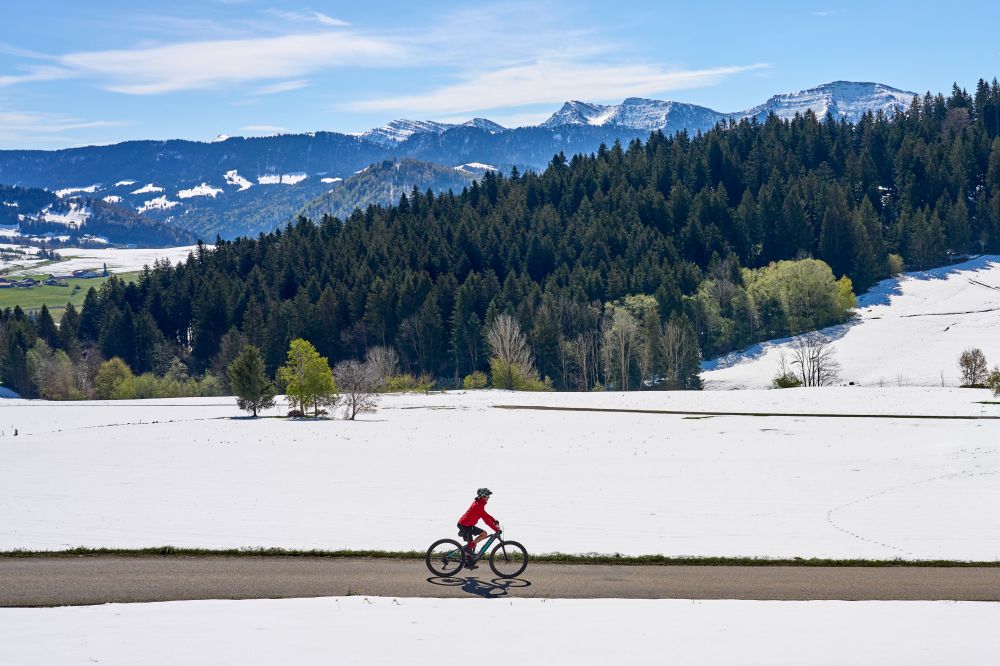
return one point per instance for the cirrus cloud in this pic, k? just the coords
(551, 81)
(209, 64)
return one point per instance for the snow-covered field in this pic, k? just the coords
(378, 630)
(118, 260)
(909, 331)
(192, 473)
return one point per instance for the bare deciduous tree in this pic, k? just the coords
(973, 365)
(507, 342)
(681, 356)
(815, 360)
(357, 388)
(510, 355)
(383, 362)
(582, 360)
(621, 338)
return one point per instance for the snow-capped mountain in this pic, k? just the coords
(636, 113)
(399, 131)
(845, 100)
(842, 99)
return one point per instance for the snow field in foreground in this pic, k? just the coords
(908, 331)
(194, 473)
(378, 630)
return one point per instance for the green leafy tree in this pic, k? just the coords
(307, 377)
(114, 380)
(248, 379)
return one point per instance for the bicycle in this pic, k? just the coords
(508, 559)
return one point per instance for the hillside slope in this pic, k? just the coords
(382, 184)
(909, 331)
(33, 215)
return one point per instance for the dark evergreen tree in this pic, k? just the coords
(249, 381)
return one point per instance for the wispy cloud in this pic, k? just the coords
(209, 64)
(282, 86)
(551, 81)
(39, 73)
(263, 129)
(29, 128)
(307, 17)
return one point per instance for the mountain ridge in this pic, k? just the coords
(243, 185)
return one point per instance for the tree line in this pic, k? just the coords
(621, 269)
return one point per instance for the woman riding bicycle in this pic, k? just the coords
(467, 528)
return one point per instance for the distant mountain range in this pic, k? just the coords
(843, 100)
(238, 186)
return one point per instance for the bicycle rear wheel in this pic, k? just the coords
(444, 557)
(509, 559)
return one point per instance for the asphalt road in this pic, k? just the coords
(56, 581)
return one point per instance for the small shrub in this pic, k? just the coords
(517, 377)
(407, 383)
(477, 380)
(895, 264)
(294, 413)
(786, 380)
(993, 381)
(210, 385)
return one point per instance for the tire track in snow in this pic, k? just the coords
(886, 491)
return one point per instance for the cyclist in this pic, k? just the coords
(467, 528)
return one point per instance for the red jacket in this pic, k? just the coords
(476, 512)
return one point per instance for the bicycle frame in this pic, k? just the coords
(486, 546)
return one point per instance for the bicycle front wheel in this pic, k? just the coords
(509, 559)
(444, 558)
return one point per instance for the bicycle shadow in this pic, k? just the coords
(494, 589)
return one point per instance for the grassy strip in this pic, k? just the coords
(688, 412)
(55, 298)
(555, 558)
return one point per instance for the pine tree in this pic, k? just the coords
(47, 328)
(249, 381)
(863, 266)
(69, 327)
(836, 241)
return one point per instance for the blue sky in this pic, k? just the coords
(102, 71)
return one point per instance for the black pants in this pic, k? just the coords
(469, 532)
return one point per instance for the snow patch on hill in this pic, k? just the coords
(90, 189)
(149, 188)
(159, 203)
(74, 217)
(234, 178)
(476, 167)
(908, 330)
(330, 180)
(203, 190)
(282, 179)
